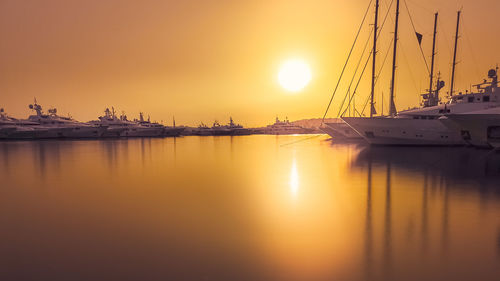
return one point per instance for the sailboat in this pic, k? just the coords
(422, 126)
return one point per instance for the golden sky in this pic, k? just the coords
(204, 60)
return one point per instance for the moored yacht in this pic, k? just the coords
(57, 126)
(202, 130)
(122, 127)
(478, 128)
(422, 126)
(285, 127)
(220, 130)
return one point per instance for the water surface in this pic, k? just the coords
(247, 208)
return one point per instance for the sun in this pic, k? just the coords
(294, 75)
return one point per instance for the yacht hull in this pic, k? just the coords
(142, 132)
(5, 131)
(404, 131)
(172, 132)
(480, 130)
(85, 132)
(342, 130)
(50, 132)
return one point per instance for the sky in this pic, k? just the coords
(202, 60)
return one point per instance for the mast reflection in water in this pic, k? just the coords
(246, 208)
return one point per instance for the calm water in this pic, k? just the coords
(246, 208)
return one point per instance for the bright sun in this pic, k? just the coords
(294, 75)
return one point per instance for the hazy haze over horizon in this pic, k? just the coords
(206, 60)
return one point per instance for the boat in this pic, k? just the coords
(478, 128)
(423, 126)
(231, 129)
(202, 130)
(220, 130)
(52, 125)
(122, 127)
(237, 129)
(420, 126)
(165, 131)
(285, 127)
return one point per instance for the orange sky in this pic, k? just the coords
(204, 60)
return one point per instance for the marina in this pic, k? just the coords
(249, 140)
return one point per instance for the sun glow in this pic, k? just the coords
(294, 75)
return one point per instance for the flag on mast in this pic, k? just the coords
(419, 38)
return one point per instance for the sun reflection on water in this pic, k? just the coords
(294, 179)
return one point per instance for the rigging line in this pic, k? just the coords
(301, 140)
(357, 84)
(378, 74)
(366, 103)
(476, 68)
(376, 78)
(419, 45)
(356, 71)
(409, 68)
(348, 57)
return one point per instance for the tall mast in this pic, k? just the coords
(454, 56)
(374, 52)
(433, 53)
(392, 106)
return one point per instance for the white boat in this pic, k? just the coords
(285, 128)
(12, 128)
(161, 130)
(122, 127)
(478, 128)
(54, 126)
(422, 126)
(202, 130)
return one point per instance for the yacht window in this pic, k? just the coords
(466, 135)
(471, 99)
(494, 132)
(369, 134)
(486, 98)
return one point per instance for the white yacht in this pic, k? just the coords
(285, 127)
(12, 128)
(202, 130)
(122, 127)
(165, 131)
(421, 126)
(478, 128)
(58, 126)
